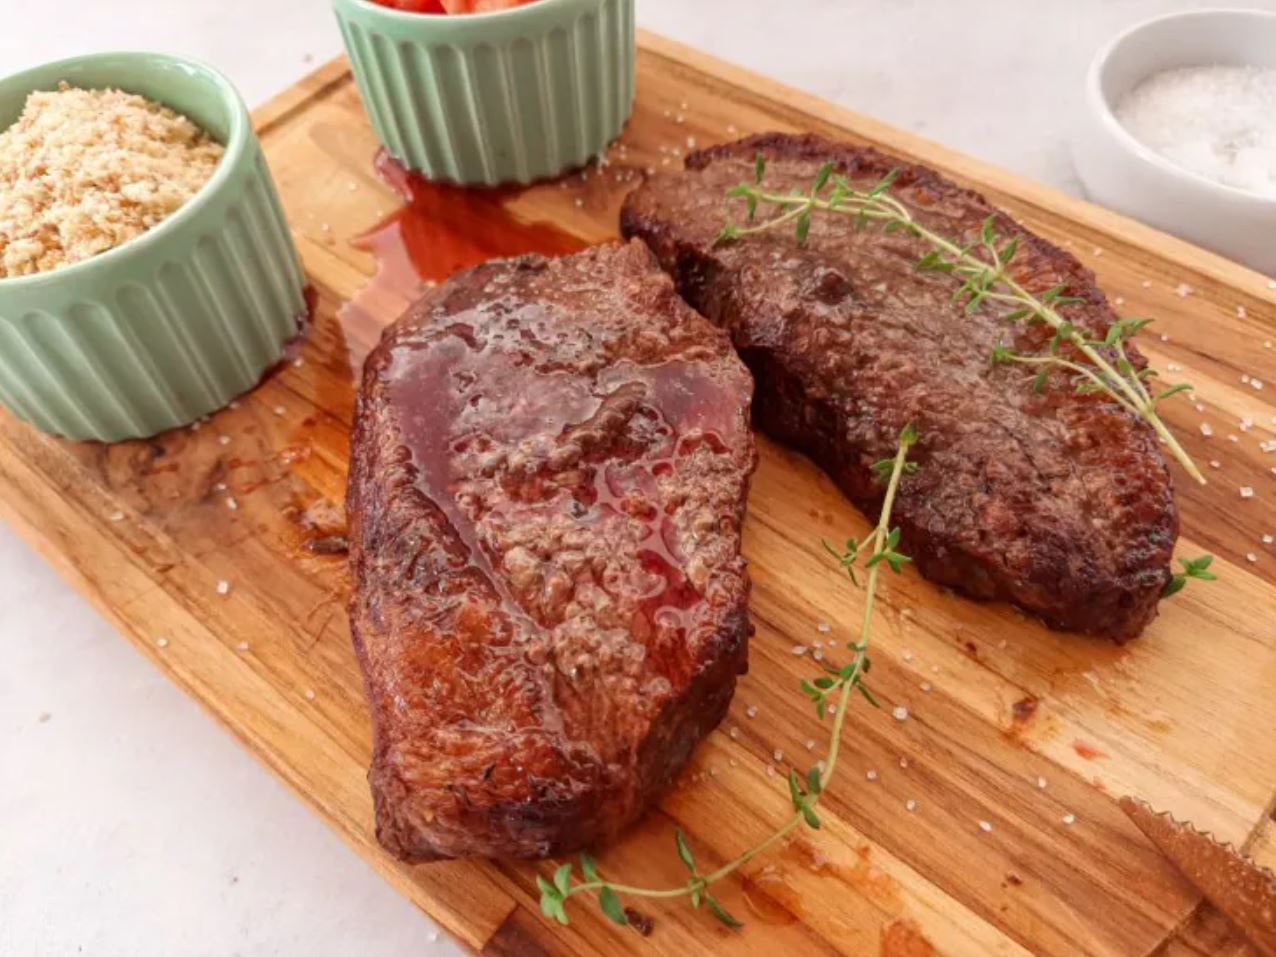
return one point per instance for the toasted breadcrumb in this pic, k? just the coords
(82, 171)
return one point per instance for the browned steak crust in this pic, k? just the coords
(550, 466)
(1059, 503)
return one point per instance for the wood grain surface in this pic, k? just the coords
(1008, 723)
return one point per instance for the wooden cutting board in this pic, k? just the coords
(1008, 723)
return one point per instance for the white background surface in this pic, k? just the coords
(129, 823)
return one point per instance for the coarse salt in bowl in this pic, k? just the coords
(1216, 121)
(1162, 176)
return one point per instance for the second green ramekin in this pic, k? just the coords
(507, 97)
(175, 323)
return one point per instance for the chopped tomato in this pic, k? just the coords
(452, 6)
(481, 6)
(414, 6)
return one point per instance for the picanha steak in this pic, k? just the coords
(549, 471)
(1061, 503)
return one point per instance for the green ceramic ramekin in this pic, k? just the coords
(488, 98)
(177, 322)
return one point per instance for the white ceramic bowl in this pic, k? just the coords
(1121, 173)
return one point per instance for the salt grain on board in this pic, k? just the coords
(900, 713)
(985, 826)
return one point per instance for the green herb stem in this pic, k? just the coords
(982, 278)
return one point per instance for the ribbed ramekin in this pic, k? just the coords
(175, 323)
(490, 98)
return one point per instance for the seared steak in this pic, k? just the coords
(550, 465)
(1058, 502)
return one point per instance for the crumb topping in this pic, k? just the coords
(82, 171)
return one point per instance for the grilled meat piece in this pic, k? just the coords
(550, 464)
(1058, 502)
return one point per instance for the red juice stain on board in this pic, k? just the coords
(902, 938)
(439, 230)
(1087, 750)
(1024, 709)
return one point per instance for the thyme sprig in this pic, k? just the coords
(983, 270)
(1197, 568)
(832, 688)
